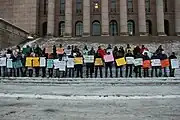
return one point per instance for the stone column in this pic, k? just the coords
(105, 17)
(68, 18)
(142, 17)
(123, 18)
(160, 17)
(177, 17)
(51, 16)
(86, 18)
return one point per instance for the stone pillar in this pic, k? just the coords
(142, 17)
(105, 17)
(160, 17)
(177, 17)
(123, 18)
(68, 18)
(86, 18)
(51, 16)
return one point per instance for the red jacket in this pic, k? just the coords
(101, 52)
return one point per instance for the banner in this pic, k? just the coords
(130, 60)
(121, 61)
(17, 64)
(42, 61)
(56, 63)
(146, 64)
(62, 66)
(98, 62)
(9, 63)
(50, 63)
(29, 61)
(70, 63)
(36, 62)
(78, 60)
(138, 62)
(88, 58)
(174, 63)
(108, 58)
(49, 50)
(2, 61)
(155, 62)
(68, 52)
(165, 63)
(60, 50)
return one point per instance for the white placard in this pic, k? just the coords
(9, 63)
(3, 61)
(156, 62)
(88, 58)
(130, 60)
(174, 63)
(42, 61)
(138, 61)
(62, 66)
(56, 64)
(70, 63)
(68, 52)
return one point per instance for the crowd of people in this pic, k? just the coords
(91, 69)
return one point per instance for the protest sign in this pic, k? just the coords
(130, 60)
(29, 61)
(78, 60)
(165, 63)
(70, 63)
(2, 61)
(9, 63)
(56, 63)
(138, 62)
(17, 64)
(60, 50)
(42, 61)
(155, 62)
(146, 64)
(36, 62)
(174, 63)
(121, 61)
(98, 62)
(50, 63)
(88, 58)
(62, 66)
(108, 58)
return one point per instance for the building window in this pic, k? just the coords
(113, 28)
(130, 5)
(62, 7)
(149, 27)
(79, 29)
(45, 7)
(96, 6)
(78, 6)
(166, 27)
(131, 27)
(61, 28)
(113, 5)
(148, 6)
(96, 28)
(165, 6)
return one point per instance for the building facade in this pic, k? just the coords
(76, 18)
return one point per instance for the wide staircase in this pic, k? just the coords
(11, 34)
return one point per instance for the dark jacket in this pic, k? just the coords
(172, 57)
(146, 57)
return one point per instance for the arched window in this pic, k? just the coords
(78, 6)
(44, 28)
(131, 27)
(165, 5)
(62, 7)
(61, 28)
(79, 29)
(148, 6)
(113, 28)
(130, 5)
(166, 27)
(45, 7)
(149, 27)
(96, 28)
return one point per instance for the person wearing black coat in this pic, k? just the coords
(172, 70)
(108, 65)
(137, 69)
(154, 68)
(163, 56)
(90, 66)
(129, 66)
(19, 70)
(97, 55)
(79, 67)
(146, 70)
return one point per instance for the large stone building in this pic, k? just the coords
(94, 17)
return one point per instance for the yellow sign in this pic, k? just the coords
(121, 61)
(98, 62)
(29, 61)
(36, 62)
(78, 60)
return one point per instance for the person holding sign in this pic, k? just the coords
(108, 64)
(137, 68)
(129, 66)
(164, 63)
(155, 63)
(98, 64)
(172, 70)
(90, 63)
(146, 64)
(79, 64)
